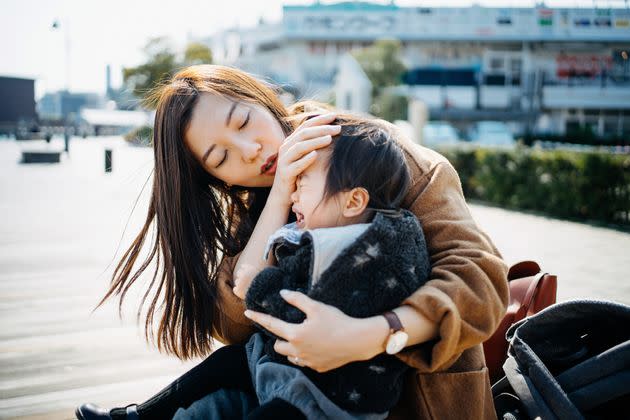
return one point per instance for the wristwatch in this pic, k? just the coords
(397, 339)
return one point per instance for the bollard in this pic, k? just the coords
(66, 142)
(108, 160)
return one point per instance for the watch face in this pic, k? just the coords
(396, 342)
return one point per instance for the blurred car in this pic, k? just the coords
(491, 133)
(439, 133)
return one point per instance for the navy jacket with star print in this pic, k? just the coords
(385, 264)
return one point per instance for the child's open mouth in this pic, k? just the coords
(299, 219)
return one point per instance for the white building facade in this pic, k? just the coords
(566, 67)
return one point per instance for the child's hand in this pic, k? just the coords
(298, 152)
(243, 278)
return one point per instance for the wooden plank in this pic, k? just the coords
(60, 227)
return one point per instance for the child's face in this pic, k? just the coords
(311, 210)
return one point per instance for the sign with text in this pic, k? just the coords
(364, 21)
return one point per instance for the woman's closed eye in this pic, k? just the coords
(225, 156)
(244, 123)
(240, 127)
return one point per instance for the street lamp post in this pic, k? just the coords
(56, 25)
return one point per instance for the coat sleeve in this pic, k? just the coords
(230, 325)
(467, 291)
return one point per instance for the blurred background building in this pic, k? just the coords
(542, 69)
(20, 108)
(537, 70)
(88, 113)
(64, 104)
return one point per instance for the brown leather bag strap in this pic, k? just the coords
(529, 297)
(523, 269)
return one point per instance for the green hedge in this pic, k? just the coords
(390, 107)
(584, 137)
(574, 185)
(140, 136)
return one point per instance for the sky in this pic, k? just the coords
(94, 34)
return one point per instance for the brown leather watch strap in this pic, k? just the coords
(394, 322)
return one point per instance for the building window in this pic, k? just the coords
(516, 65)
(317, 48)
(496, 64)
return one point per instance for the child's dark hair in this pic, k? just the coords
(366, 155)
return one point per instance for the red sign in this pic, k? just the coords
(582, 65)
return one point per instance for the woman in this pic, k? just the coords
(227, 153)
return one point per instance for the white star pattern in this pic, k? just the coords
(412, 270)
(354, 396)
(377, 369)
(360, 260)
(373, 250)
(265, 304)
(391, 283)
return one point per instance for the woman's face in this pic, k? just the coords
(236, 142)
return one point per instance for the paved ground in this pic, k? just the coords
(60, 226)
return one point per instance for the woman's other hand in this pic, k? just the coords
(327, 338)
(298, 152)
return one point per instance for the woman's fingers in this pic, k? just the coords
(300, 149)
(294, 161)
(304, 133)
(300, 301)
(297, 167)
(285, 348)
(307, 146)
(308, 133)
(303, 150)
(293, 354)
(319, 120)
(305, 142)
(274, 325)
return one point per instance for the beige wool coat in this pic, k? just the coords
(466, 296)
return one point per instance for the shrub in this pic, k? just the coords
(579, 136)
(141, 136)
(581, 186)
(390, 107)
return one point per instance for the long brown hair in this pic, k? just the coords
(197, 218)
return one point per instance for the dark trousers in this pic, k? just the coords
(226, 368)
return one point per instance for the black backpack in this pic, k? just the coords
(569, 361)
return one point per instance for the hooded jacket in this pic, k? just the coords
(381, 264)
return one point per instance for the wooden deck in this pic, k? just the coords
(60, 226)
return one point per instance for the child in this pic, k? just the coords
(352, 247)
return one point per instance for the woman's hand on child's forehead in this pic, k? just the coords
(298, 152)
